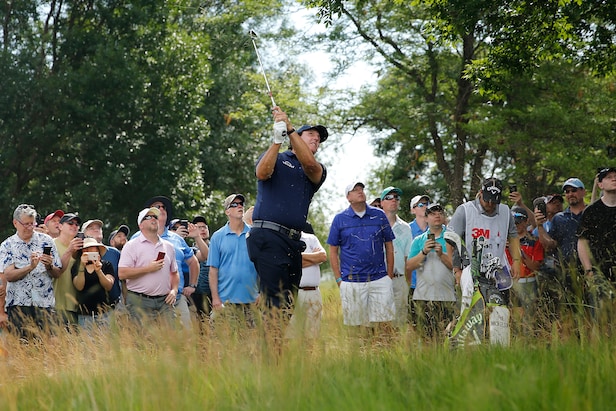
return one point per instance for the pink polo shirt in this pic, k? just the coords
(140, 252)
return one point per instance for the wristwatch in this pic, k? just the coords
(289, 132)
(193, 286)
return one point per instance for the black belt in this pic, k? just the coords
(151, 297)
(308, 288)
(292, 233)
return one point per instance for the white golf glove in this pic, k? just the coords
(280, 132)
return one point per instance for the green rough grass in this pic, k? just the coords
(229, 370)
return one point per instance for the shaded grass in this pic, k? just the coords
(231, 369)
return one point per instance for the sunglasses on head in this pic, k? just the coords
(391, 197)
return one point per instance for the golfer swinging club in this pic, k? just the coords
(286, 184)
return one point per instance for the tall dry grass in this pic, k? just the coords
(230, 367)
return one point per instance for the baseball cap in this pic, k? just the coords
(70, 216)
(58, 213)
(199, 219)
(166, 202)
(552, 197)
(231, 198)
(320, 129)
(173, 222)
(351, 186)
(491, 190)
(417, 199)
(432, 208)
(605, 172)
(574, 182)
(519, 213)
(89, 223)
(123, 228)
(389, 190)
(151, 210)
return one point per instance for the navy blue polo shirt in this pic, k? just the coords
(284, 198)
(564, 230)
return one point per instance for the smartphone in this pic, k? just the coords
(513, 188)
(47, 250)
(160, 256)
(80, 235)
(539, 204)
(184, 223)
(92, 255)
(431, 236)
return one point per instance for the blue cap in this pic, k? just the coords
(389, 190)
(574, 182)
(320, 129)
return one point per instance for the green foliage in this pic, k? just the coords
(446, 114)
(106, 104)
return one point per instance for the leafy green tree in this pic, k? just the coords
(443, 132)
(105, 104)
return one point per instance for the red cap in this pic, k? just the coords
(58, 213)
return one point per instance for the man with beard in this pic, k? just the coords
(560, 245)
(119, 237)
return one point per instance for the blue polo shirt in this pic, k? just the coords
(237, 276)
(284, 198)
(113, 256)
(564, 231)
(362, 243)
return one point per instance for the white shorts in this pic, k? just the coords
(306, 319)
(369, 302)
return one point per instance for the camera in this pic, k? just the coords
(539, 204)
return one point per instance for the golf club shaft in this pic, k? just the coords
(269, 90)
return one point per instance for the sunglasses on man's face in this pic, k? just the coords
(150, 216)
(422, 205)
(236, 204)
(392, 197)
(571, 190)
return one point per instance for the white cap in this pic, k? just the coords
(417, 199)
(146, 211)
(90, 222)
(351, 186)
